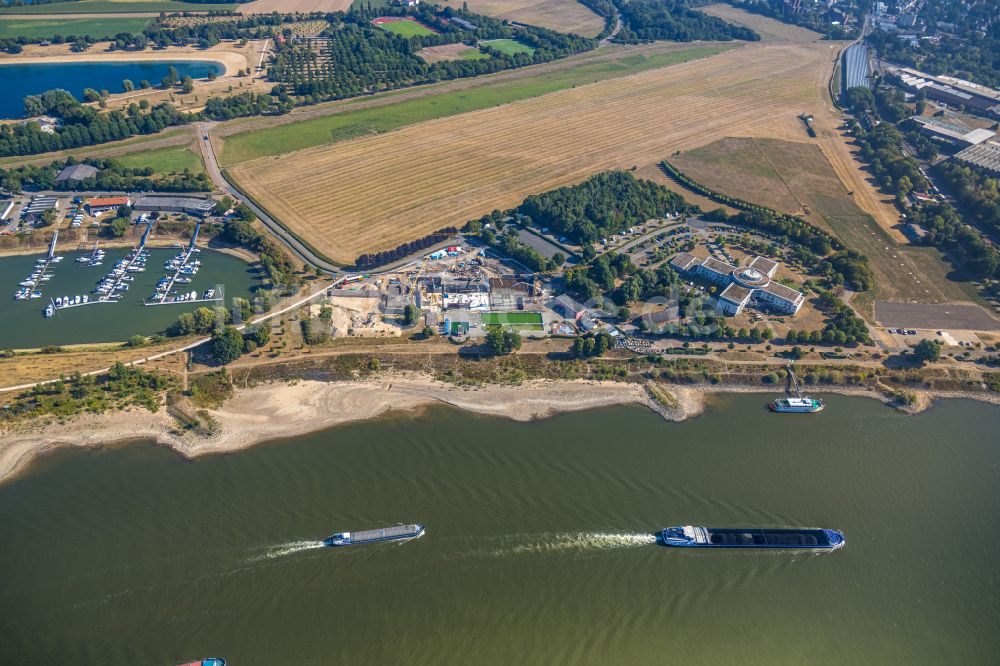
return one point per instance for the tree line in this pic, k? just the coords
(374, 260)
(111, 177)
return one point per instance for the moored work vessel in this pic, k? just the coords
(695, 536)
(801, 405)
(395, 533)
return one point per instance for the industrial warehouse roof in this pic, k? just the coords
(963, 134)
(984, 155)
(76, 172)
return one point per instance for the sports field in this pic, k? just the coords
(98, 28)
(508, 46)
(115, 7)
(559, 15)
(374, 192)
(796, 177)
(405, 27)
(520, 85)
(514, 321)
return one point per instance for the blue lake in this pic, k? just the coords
(19, 81)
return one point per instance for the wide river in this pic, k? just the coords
(539, 546)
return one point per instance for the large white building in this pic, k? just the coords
(749, 285)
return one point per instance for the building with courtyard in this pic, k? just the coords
(744, 286)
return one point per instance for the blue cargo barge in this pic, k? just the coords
(695, 536)
(396, 533)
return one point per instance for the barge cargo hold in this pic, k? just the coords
(395, 533)
(694, 536)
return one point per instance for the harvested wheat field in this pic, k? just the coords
(372, 193)
(558, 15)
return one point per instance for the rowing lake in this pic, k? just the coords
(538, 546)
(22, 324)
(20, 80)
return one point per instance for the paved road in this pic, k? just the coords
(215, 173)
(614, 33)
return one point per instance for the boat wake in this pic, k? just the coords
(574, 542)
(284, 549)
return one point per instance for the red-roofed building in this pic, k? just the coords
(103, 204)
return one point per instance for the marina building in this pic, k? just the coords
(188, 205)
(750, 285)
(99, 205)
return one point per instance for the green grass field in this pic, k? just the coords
(135, 143)
(497, 318)
(473, 54)
(96, 28)
(407, 28)
(164, 160)
(351, 124)
(508, 46)
(113, 7)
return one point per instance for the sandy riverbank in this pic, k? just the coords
(276, 411)
(224, 54)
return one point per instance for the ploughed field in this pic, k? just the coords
(373, 193)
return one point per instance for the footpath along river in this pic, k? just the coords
(539, 546)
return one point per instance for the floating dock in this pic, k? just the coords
(29, 287)
(181, 266)
(112, 283)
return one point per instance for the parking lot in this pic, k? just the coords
(953, 316)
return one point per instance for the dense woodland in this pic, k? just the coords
(814, 16)
(675, 20)
(602, 206)
(112, 177)
(969, 45)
